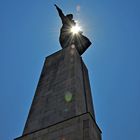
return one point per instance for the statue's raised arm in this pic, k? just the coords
(62, 16)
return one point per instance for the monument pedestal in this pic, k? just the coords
(82, 127)
(62, 106)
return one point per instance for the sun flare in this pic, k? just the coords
(75, 29)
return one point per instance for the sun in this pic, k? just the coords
(75, 29)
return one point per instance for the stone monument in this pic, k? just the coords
(62, 107)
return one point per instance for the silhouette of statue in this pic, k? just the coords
(67, 38)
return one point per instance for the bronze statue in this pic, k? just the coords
(67, 38)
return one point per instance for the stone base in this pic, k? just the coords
(82, 127)
(63, 91)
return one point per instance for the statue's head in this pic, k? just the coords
(70, 16)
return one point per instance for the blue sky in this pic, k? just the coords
(29, 31)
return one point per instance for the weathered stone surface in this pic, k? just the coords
(81, 127)
(60, 92)
(62, 106)
(88, 96)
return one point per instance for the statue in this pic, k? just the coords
(67, 38)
